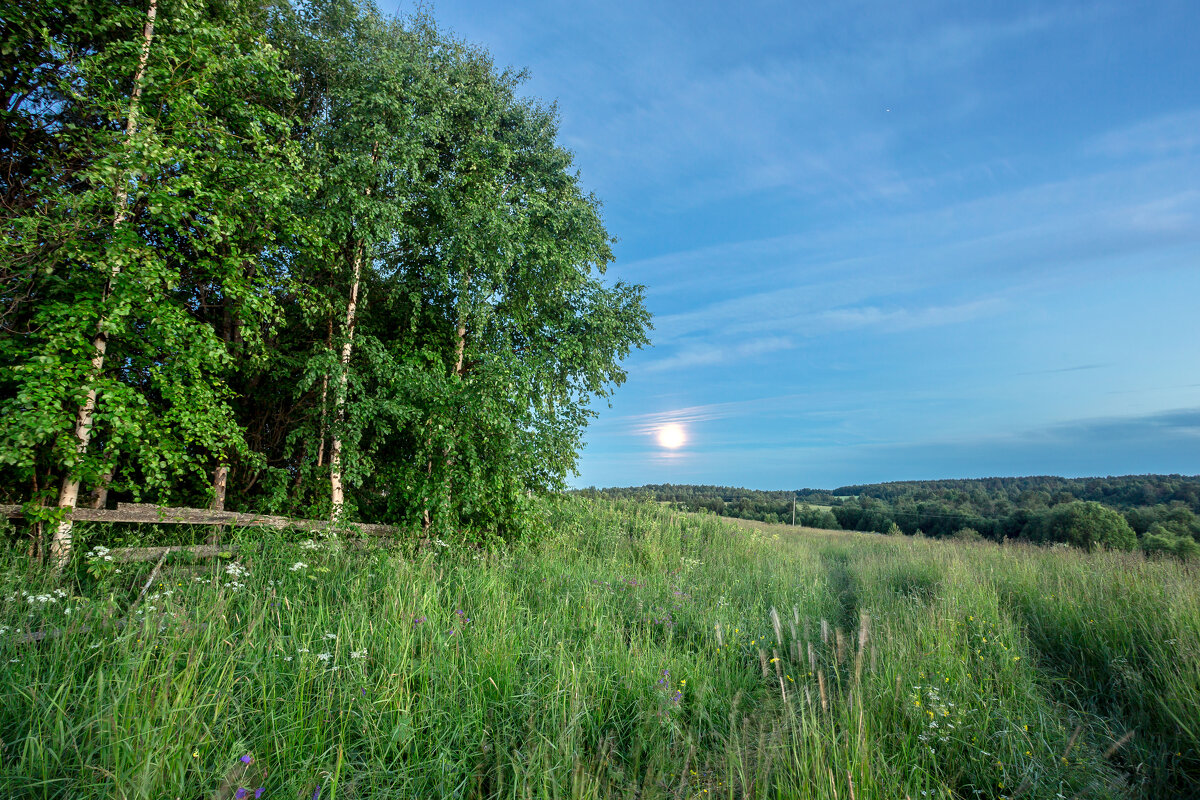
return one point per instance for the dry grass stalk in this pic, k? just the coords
(687, 762)
(1071, 741)
(821, 687)
(777, 626)
(1118, 744)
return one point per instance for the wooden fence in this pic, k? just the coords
(148, 514)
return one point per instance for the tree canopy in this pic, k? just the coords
(306, 259)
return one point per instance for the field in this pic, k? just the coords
(637, 652)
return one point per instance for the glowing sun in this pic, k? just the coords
(671, 436)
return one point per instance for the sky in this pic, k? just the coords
(885, 241)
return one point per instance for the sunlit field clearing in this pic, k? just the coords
(636, 652)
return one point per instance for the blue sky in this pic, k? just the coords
(886, 241)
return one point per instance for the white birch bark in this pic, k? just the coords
(68, 496)
(337, 493)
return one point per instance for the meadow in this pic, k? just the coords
(634, 652)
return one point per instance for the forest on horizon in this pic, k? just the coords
(1158, 513)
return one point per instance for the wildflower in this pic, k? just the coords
(358, 654)
(324, 656)
(195, 754)
(241, 793)
(331, 636)
(299, 565)
(247, 759)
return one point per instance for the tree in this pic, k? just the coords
(1086, 524)
(163, 149)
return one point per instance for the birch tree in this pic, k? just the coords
(139, 211)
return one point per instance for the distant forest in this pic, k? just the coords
(1158, 513)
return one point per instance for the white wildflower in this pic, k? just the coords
(324, 656)
(299, 565)
(358, 654)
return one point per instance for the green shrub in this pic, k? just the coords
(1084, 524)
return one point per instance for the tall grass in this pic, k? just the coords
(637, 653)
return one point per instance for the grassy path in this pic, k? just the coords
(638, 653)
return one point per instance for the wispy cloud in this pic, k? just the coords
(709, 355)
(906, 319)
(1057, 370)
(1166, 135)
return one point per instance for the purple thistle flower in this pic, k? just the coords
(247, 759)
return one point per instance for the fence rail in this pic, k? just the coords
(146, 513)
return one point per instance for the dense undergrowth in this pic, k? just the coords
(636, 653)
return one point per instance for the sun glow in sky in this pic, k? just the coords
(885, 241)
(672, 436)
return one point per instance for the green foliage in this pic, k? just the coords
(968, 535)
(992, 508)
(135, 235)
(328, 230)
(1086, 525)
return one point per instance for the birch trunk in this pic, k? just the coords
(220, 479)
(99, 496)
(336, 490)
(337, 493)
(68, 496)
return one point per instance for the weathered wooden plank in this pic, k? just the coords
(81, 515)
(150, 514)
(154, 553)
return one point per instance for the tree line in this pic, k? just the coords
(1157, 513)
(293, 258)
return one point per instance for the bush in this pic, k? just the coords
(968, 535)
(1084, 524)
(1160, 539)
